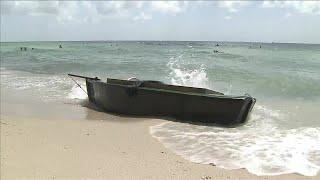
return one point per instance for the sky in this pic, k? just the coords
(249, 21)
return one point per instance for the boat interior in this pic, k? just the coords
(161, 85)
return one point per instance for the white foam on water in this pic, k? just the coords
(186, 77)
(260, 146)
(78, 93)
(229, 90)
(47, 87)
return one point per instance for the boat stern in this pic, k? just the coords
(246, 108)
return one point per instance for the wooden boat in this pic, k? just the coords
(154, 98)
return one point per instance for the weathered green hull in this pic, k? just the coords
(156, 99)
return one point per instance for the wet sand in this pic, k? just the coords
(46, 141)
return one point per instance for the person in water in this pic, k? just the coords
(60, 46)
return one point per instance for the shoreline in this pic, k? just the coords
(46, 140)
(119, 148)
(99, 149)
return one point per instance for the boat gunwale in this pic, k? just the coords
(179, 92)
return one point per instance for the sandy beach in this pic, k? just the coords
(80, 143)
(119, 148)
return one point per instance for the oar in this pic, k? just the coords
(85, 77)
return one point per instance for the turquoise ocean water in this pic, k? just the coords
(282, 135)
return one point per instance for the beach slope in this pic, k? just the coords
(105, 147)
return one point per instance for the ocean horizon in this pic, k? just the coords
(216, 41)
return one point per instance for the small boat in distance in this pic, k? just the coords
(154, 98)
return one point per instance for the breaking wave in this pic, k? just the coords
(183, 76)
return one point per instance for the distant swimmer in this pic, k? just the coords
(216, 51)
(217, 44)
(260, 46)
(60, 46)
(32, 48)
(23, 48)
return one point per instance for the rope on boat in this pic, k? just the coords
(78, 85)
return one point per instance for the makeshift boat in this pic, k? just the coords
(154, 98)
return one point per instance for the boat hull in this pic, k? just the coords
(184, 106)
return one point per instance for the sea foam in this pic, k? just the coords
(47, 87)
(78, 93)
(187, 77)
(261, 148)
